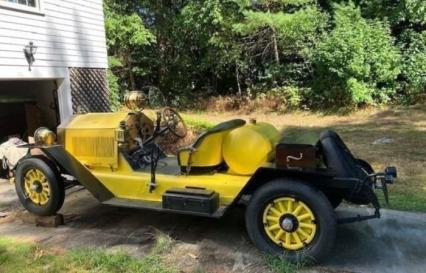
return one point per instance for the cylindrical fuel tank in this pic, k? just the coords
(247, 148)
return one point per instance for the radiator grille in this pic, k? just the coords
(93, 146)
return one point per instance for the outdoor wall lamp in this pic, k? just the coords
(30, 50)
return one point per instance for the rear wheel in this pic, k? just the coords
(292, 219)
(38, 187)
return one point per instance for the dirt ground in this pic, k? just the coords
(393, 244)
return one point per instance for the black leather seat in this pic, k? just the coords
(221, 127)
(339, 158)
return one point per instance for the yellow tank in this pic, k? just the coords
(247, 148)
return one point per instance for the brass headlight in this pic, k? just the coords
(135, 100)
(44, 136)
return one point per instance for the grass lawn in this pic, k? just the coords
(405, 127)
(26, 257)
(23, 257)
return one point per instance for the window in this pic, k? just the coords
(30, 3)
(24, 5)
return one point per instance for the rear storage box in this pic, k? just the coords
(191, 200)
(296, 156)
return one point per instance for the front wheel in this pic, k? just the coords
(291, 219)
(38, 187)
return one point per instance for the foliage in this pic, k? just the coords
(286, 97)
(19, 257)
(282, 265)
(126, 34)
(357, 62)
(114, 90)
(278, 37)
(413, 47)
(332, 52)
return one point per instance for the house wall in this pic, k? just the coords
(68, 33)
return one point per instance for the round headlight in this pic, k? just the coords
(44, 136)
(135, 100)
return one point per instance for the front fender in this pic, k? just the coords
(69, 164)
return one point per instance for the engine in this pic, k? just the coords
(96, 138)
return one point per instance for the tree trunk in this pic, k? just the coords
(275, 45)
(131, 75)
(237, 76)
(274, 40)
(132, 79)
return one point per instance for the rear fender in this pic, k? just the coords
(264, 175)
(351, 189)
(322, 180)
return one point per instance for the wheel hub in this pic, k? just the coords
(289, 223)
(37, 186)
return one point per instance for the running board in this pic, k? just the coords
(158, 206)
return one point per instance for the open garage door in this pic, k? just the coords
(26, 105)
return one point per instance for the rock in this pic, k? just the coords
(42, 221)
(383, 140)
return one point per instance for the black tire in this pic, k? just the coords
(324, 238)
(57, 190)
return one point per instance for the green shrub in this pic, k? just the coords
(413, 46)
(357, 62)
(114, 90)
(290, 96)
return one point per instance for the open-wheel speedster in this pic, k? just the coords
(289, 190)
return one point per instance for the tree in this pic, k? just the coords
(274, 30)
(126, 34)
(210, 25)
(407, 20)
(413, 47)
(357, 62)
(310, 52)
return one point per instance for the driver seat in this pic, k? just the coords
(205, 154)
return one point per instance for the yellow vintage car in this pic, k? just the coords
(289, 190)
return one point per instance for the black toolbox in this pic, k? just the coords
(191, 200)
(296, 156)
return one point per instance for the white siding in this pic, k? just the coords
(68, 33)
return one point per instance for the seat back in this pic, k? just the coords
(206, 151)
(338, 157)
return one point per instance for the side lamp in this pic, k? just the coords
(30, 50)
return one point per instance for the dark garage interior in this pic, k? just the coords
(27, 105)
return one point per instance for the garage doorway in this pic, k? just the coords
(26, 105)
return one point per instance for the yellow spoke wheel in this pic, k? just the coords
(37, 187)
(289, 223)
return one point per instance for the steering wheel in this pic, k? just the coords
(174, 122)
